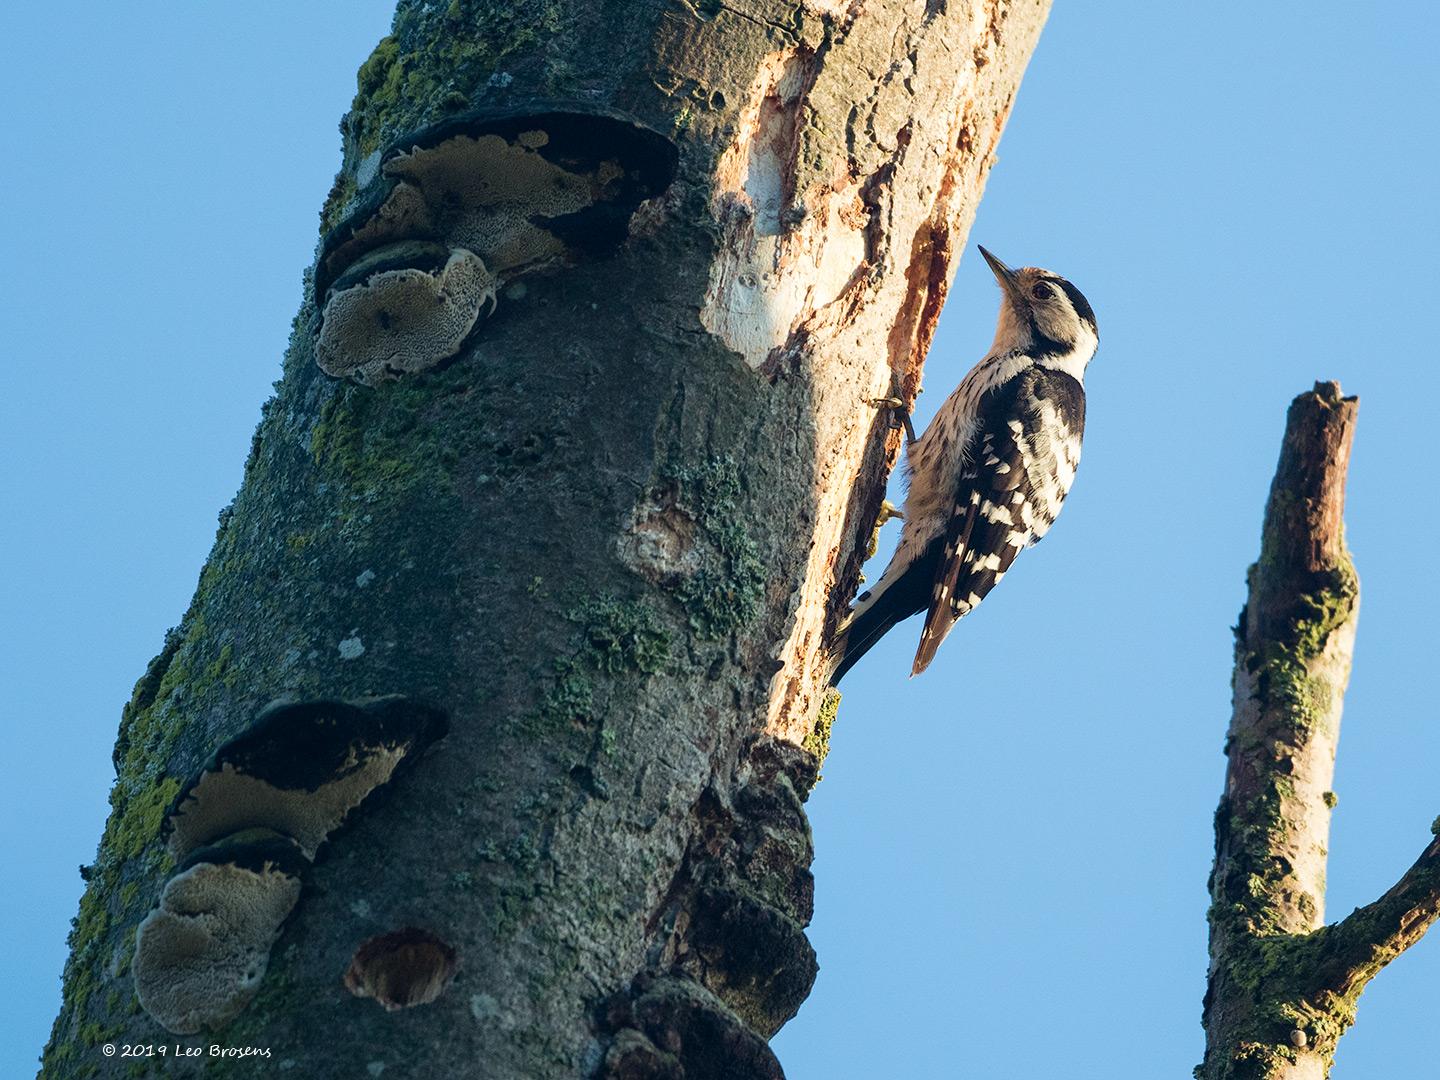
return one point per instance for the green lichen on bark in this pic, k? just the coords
(615, 637)
(138, 803)
(1275, 1007)
(725, 595)
(1291, 979)
(1292, 699)
(194, 669)
(818, 741)
(622, 635)
(416, 441)
(129, 849)
(415, 74)
(385, 441)
(1282, 665)
(438, 62)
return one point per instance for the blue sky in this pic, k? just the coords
(1010, 884)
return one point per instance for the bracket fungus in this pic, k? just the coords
(201, 953)
(400, 317)
(461, 209)
(242, 833)
(299, 769)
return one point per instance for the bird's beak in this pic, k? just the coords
(1003, 274)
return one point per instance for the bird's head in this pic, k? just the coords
(1042, 312)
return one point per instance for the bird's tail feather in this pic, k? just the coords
(889, 603)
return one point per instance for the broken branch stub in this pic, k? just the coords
(1264, 1015)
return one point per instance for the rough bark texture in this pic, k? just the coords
(1283, 986)
(604, 541)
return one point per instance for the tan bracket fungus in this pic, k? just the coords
(464, 207)
(243, 831)
(201, 953)
(392, 322)
(300, 769)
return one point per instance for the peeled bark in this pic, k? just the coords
(545, 619)
(1283, 985)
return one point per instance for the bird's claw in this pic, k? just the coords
(889, 510)
(899, 414)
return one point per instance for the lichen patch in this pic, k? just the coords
(351, 648)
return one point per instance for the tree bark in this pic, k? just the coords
(1283, 986)
(559, 599)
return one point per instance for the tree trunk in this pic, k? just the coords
(535, 601)
(1283, 985)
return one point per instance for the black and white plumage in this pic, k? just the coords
(988, 477)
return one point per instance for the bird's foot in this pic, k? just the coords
(888, 510)
(899, 414)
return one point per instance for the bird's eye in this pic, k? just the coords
(1041, 291)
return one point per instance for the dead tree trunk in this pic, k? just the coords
(1283, 985)
(574, 456)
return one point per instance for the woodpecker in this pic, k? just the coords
(991, 471)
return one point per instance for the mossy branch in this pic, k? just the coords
(1370, 937)
(1283, 986)
(1264, 1014)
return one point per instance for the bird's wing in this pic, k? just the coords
(1021, 461)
